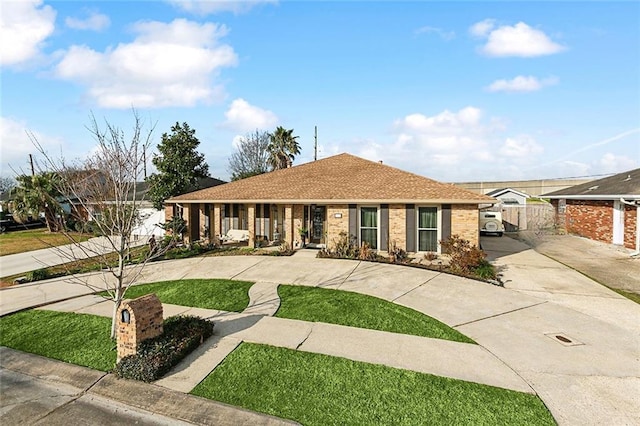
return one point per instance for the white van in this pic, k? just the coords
(491, 223)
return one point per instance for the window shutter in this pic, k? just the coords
(410, 210)
(384, 227)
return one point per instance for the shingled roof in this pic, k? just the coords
(623, 185)
(343, 178)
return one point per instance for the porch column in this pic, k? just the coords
(251, 224)
(203, 222)
(287, 225)
(216, 224)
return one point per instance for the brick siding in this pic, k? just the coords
(398, 225)
(336, 225)
(591, 219)
(464, 222)
(630, 226)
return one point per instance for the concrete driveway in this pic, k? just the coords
(576, 343)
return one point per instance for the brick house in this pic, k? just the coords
(375, 203)
(603, 210)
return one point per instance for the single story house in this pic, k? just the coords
(372, 202)
(604, 210)
(509, 196)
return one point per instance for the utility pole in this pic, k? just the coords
(315, 145)
(33, 171)
(144, 159)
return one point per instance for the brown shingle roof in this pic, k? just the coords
(343, 178)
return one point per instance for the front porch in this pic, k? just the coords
(265, 224)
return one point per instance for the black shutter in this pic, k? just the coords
(384, 227)
(410, 210)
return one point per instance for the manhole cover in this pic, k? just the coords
(563, 339)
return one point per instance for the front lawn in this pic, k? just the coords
(224, 295)
(359, 310)
(79, 339)
(34, 239)
(316, 389)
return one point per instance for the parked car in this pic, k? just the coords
(491, 223)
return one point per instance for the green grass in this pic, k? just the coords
(225, 295)
(79, 339)
(34, 239)
(316, 389)
(628, 294)
(359, 310)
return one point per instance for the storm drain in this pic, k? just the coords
(563, 339)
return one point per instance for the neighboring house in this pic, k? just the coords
(150, 219)
(605, 210)
(375, 203)
(509, 196)
(512, 204)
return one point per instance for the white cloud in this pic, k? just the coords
(518, 40)
(206, 7)
(24, 26)
(521, 83)
(611, 163)
(521, 147)
(482, 28)
(93, 21)
(168, 64)
(16, 145)
(244, 117)
(445, 35)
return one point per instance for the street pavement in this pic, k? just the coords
(571, 340)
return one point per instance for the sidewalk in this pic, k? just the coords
(445, 358)
(19, 263)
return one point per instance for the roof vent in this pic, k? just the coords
(380, 161)
(593, 188)
(627, 179)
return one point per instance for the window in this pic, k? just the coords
(369, 226)
(428, 229)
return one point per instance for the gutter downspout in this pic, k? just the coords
(637, 251)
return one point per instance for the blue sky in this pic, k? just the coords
(455, 91)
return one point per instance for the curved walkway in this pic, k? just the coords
(592, 379)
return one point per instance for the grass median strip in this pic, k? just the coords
(360, 310)
(79, 339)
(34, 239)
(225, 295)
(316, 389)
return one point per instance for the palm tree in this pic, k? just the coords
(282, 148)
(35, 194)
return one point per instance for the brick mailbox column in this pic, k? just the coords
(138, 320)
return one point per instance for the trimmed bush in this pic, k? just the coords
(155, 357)
(37, 275)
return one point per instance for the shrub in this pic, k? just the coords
(465, 258)
(398, 255)
(486, 270)
(155, 357)
(37, 275)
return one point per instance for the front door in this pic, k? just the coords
(317, 224)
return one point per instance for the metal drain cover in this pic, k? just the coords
(563, 339)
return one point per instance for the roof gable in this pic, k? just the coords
(502, 191)
(341, 178)
(626, 185)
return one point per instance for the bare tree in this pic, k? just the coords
(251, 157)
(103, 189)
(7, 183)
